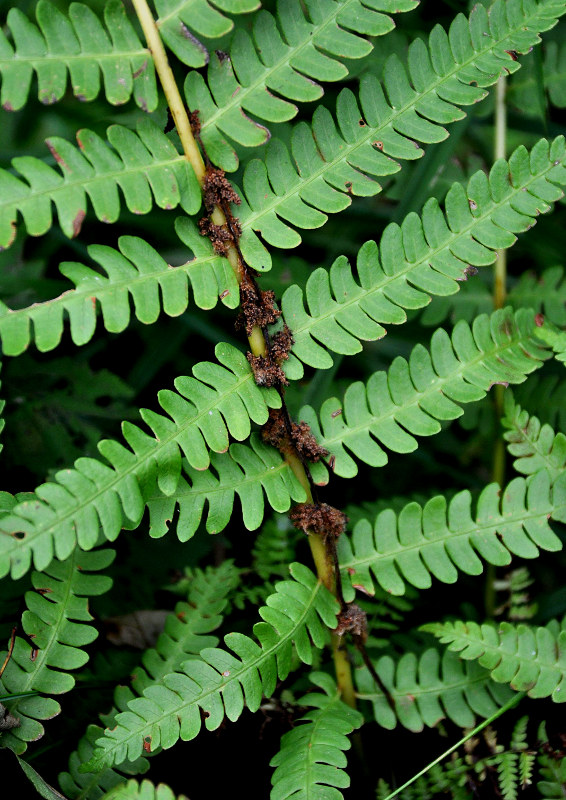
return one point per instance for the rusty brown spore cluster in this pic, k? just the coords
(289, 436)
(352, 619)
(218, 192)
(321, 518)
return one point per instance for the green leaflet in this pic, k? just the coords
(413, 397)
(311, 758)
(55, 617)
(81, 45)
(144, 166)
(327, 166)
(132, 790)
(428, 688)
(427, 255)
(221, 683)
(553, 772)
(136, 272)
(440, 538)
(536, 447)
(530, 659)
(556, 339)
(249, 472)
(217, 401)
(309, 45)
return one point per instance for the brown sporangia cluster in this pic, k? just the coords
(289, 436)
(267, 369)
(352, 619)
(321, 518)
(194, 122)
(257, 307)
(217, 192)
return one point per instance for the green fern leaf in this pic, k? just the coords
(438, 539)
(326, 166)
(473, 298)
(132, 790)
(310, 45)
(535, 446)
(428, 688)
(529, 659)
(93, 496)
(544, 293)
(80, 45)
(427, 255)
(413, 397)
(180, 20)
(556, 339)
(221, 683)
(553, 772)
(136, 272)
(544, 396)
(145, 166)
(249, 472)
(55, 619)
(311, 758)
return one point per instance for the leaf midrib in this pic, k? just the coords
(434, 691)
(66, 57)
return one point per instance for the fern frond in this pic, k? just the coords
(55, 620)
(556, 339)
(427, 255)
(473, 298)
(136, 272)
(311, 758)
(221, 683)
(529, 659)
(535, 446)
(249, 472)
(95, 497)
(79, 44)
(553, 773)
(438, 539)
(180, 20)
(325, 166)
(414, 396)
(428, 688)
(544, 293)
(146, 790)
(310, 45)
(144, 165)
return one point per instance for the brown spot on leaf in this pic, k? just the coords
(194, 120)
(378, 145)
(78, 221)
(139, 71)
(539, 320)
(513, 53)
(147, 744)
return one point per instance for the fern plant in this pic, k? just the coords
(266, 211)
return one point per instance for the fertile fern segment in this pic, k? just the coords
(535, 446)
(413, 397)
(326, 166)
(136, 272)
(144, 165)
(529, 659)
(311, 758)
(78, 44)
(205, 409)
(309, 45)
(426, 255)
(56, 620)
(438, 539)
(248, 472)
(428, 688)
(221, 683)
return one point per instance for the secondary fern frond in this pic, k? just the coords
(311, 758)
(553, 773)
(219, 399)
(144, 165)
(310, 45)
(529, 659)
(219, 682)
(535, 446)
(138, 272)
(414, 396)
(428, 688)
(427, 255)
(440, 538)
(55, 621)
(78, 44)
(326, 167)
(146, 790)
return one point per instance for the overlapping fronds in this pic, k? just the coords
(77, 43)
(134, 273)
(535, 446)
(556, 339)
(56, 622)
(220, 399)
(180, 20)
(311, 759)
(428, 688)
(326, 165)
(309, 45)
(221, 683)
(530, 659)
(248, 472)
(440, 538)
(146, 790)
(426, 255)
(145, 166)
(184, 636)
(414, 396)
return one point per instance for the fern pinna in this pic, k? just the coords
(296, 216)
